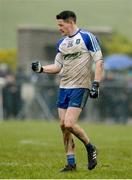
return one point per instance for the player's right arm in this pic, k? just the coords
(49, 69)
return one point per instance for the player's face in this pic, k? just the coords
(64, 27)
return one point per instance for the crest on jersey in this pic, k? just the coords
(70, 44)
(78, 41)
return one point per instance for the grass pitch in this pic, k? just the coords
(34, 150)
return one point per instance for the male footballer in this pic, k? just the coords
(76, 52)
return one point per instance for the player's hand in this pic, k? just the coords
(94, 92)
(37, 67)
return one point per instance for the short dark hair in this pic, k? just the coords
(65, 15)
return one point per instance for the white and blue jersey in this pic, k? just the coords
(75, 55)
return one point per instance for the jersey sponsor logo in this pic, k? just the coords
(76, 55)
(78, 41)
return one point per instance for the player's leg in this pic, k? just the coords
(68, 142)
(62, 104)
(67, 135)
(71, 117)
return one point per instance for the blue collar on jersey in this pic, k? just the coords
(75, 33)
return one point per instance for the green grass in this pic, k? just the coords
(34, 150)
(98, 13)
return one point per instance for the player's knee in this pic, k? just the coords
(69, 126)
(62, 125)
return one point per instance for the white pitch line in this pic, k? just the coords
(33, 142)
(8, 163)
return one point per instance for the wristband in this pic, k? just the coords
(41, 70)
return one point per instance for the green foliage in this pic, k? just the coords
(34, 150)
(117, 44)
(9, 57)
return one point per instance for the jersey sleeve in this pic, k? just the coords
(58, 59)
(58, 45)
(96, 56)
(93, 46)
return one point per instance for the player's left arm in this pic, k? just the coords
(99, 65)
(99, 70)
(96, 55)
(99, 73)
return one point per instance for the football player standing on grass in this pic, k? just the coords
(76, 52)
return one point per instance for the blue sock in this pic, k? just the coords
(71, 159)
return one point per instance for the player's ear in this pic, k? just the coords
(69, 21)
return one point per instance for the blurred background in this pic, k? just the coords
(28, 32)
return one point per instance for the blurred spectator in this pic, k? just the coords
(12, 101)
(4, 69)
(21, 76)
(114, 101)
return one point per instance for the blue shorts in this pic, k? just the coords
(75, 97)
